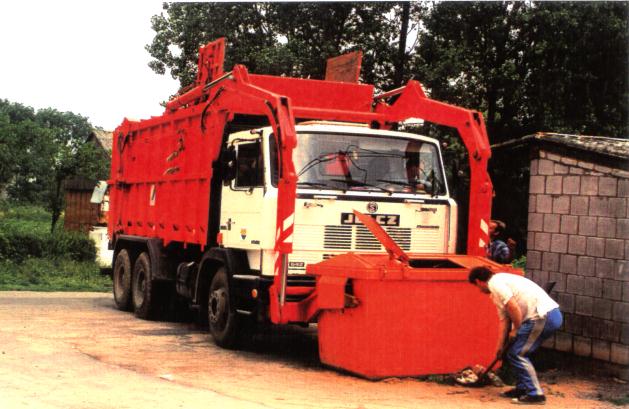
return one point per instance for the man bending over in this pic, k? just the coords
(534, 316)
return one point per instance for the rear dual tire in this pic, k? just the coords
(122, 281)
(135, 290)
(144, 294)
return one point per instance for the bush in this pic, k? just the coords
(72, 245)
(25, 232)
(19, 245)
(519, 262)
(32, 258)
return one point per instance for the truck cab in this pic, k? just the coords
(396, 177)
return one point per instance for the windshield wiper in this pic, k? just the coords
(331, 156)
(313, 184)
(324, 157)
(396, 182)
(352, 182)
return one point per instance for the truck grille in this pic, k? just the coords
(401, 236)
(337, 237)
(365, 240)
(342, 237)
(427, 241)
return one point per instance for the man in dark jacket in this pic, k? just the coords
(500, 250)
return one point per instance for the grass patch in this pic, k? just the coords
(32, 258)
(25, 218)
(38, 274)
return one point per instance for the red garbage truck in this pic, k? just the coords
(247, 181)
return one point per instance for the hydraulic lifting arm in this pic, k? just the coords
(233, 93)
(413, 103)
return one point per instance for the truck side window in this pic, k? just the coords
(249, 166)
(275, 172)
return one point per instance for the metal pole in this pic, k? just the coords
(283, 279)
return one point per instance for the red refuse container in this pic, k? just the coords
(413, 319)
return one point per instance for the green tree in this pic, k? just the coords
(7, 160)
(315, 32)
(69, 155)
(18, 137)
(576, 67)
(186, 26)
(530, 66)
(293, 39)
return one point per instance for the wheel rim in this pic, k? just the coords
(217, 311)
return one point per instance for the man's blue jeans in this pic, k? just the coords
(530, 336)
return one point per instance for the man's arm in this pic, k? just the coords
(515, 314)
(505, 329)
(504, 322)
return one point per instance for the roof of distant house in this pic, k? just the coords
(617, 148)
(102, 138)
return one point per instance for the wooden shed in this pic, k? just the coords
(80, 213)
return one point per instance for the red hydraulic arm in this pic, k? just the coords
(220, 96)
(234, 93)
(413, 103)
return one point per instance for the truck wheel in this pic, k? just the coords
(143, 288)
(223, 320)
(122, 281)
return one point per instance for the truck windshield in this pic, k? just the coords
(367, 163)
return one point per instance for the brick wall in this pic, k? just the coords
(578, 236)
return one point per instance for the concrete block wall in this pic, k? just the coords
(578, 236)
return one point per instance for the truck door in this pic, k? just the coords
(241, 203)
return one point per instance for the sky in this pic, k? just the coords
(84, 57)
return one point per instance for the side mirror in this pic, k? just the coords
(228, 163)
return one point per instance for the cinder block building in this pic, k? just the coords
(578, 237)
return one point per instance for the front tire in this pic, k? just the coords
(225, 324)
(122, 281)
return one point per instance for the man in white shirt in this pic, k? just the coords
(534, 317)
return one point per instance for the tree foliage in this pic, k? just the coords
(293, 39)
(40, 150)
(528, 66)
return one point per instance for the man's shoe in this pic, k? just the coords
(513, 393)
(529, 400)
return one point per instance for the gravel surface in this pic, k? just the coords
(75, 350)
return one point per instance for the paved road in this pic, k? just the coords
(75, 350)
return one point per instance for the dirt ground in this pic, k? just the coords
(75, 350)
